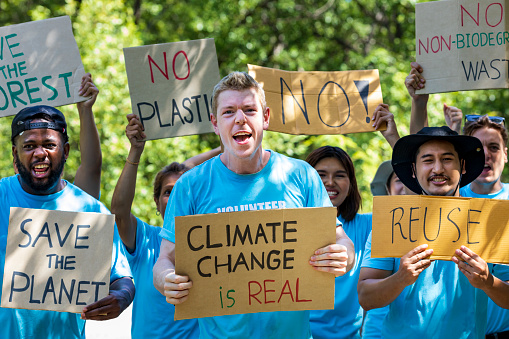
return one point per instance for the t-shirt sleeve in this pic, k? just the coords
(386, 264)
(179, 204)
(142, 230)
(501, 271)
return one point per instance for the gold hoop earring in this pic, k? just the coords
(158, 213)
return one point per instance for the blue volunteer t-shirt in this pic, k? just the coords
(152, 316)
(345, 320)
(212, 188)
(440, 304)
(498, 317)
(18, 323)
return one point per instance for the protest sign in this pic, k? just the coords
(57, 261)
(401, 223)
(462, 45)
(254, 261)
(317, 103)
(40, 64)
(171, 86)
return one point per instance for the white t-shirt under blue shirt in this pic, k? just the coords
(440, 304)
(19, 323)
(498, 317)
(212, 188)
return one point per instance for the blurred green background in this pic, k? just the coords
(292, 35)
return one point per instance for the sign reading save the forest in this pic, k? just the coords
(254, 261)
(401, 223)
(320, 102)
(40, 64)
(171, 86)
(462, 44)
(57, 261)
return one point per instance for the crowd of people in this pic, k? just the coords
(465, 297)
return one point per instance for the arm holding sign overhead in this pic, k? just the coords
(453, 117)
(383, 115)
(88, 175)
(123, 194)
(419, 114)
(199, 158)
(173, 286)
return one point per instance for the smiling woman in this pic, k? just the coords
(338, 176)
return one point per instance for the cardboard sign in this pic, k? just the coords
(254, 261)
(317, 103)
(57, 261)
(462, 45)
(401, 223)
(40, 64)
(171, 86)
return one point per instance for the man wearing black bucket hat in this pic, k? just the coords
(434, 299)
(40, 149)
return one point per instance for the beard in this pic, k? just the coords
(42, 187)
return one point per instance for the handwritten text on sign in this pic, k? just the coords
(444, 223)
(462, 45)
(319, 102)
(171, 86)
(254, 261)
(57, 261)
(39, 65)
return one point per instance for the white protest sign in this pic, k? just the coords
(55, 260)
(462, 45)
(40, 64)
(171, 86)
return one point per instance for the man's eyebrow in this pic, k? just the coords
(446, 153)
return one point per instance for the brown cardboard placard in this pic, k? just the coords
(55, 260)
(462, 44)
(401, 223)
(40, 64)
(316, 103)
(171, 86)
(268, 252)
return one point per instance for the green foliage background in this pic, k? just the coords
(322, 35)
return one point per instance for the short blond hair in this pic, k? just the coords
(237, 81)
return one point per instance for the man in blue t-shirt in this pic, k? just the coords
(435, 299)
(40, 148)
(244, 177)
(493, 136)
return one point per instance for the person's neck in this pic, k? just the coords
(246, 166)
(486, 188)
(57, 188)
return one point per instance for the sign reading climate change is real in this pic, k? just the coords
(254, 261)
(40, 64)
(462, 44)
(55, 260)
(316, 103)
(171, 86)
(401, 223)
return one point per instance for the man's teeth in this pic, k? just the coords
(241, 133)
(41, 167)
(331, 194)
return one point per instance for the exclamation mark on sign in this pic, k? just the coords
(363, 87)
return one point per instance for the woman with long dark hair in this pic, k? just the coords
(336, 169)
